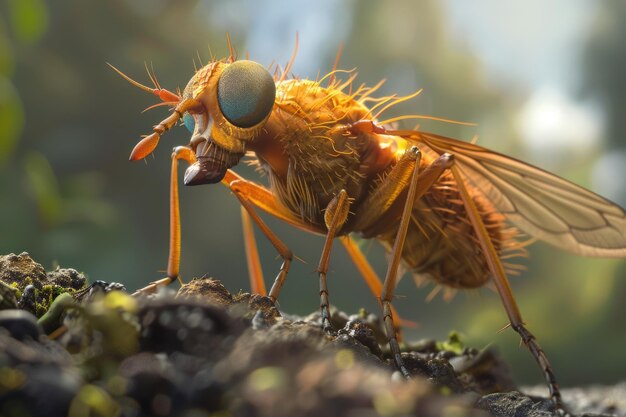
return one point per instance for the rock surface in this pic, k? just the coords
(207, 352)
(35, 288)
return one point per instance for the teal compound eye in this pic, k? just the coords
(246, 93)
(189, 122)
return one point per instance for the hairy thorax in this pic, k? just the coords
(308, 152)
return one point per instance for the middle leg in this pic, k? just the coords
(334, 217)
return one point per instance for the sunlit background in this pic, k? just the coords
(543, 81)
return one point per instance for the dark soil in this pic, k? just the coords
(71, 349)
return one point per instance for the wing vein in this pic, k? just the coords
(540, 203)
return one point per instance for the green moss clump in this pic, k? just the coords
(453, 344)
(18, 290)
(46, 296)
(19, 271)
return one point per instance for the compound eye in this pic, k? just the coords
(189, 122)
(246, 93)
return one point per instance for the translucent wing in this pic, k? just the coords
(540, 203)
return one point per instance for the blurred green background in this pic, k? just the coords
(544, 82)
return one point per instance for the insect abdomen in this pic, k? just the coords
(441, 244)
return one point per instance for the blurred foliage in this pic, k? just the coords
(69, 195)
(11, 112)
(11, 118)
(417, 48)
(29, 19)
(605, 65)
(45, 189)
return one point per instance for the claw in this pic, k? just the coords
(153, 286)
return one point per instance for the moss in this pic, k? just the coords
(7, 296)
(52, 291)
(41, 309)
(453, 344)
(27, 281)
(20, 271)
(52, 319)
(46, 296)
(18, 289)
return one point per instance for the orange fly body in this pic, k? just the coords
(448, 211)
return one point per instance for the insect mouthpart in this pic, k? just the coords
(211, 165)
